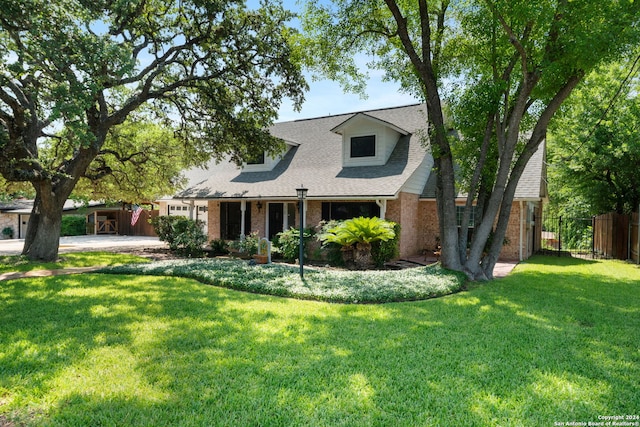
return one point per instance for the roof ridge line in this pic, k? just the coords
(354, 112)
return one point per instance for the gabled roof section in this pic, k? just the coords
(340, 128)
(533, 182)
(531, 186)
(317, 162)
(291, 143)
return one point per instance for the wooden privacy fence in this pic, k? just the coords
(142, 227)
(610, 235)
(616, 236)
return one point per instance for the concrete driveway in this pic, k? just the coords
(89, 243)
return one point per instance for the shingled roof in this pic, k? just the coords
(532, 184)
(316, 162)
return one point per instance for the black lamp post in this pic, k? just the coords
(302, 194)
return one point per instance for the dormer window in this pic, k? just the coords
(363, 146)
(265, 162)
(367, 141)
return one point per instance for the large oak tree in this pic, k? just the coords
(513, 62)
(73, 70)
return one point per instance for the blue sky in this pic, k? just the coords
(326, 97)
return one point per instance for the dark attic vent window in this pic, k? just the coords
(363, 146)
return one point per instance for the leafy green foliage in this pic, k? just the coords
(360, 230)
(219, 246)
(594, 145)
(183, 235)
(8, 232)
(247, 245)
(73, 225)
(356, 236)
(213, 73)
(133, 151)
(331, 251)
(288, 242)
(385, 250)
(319, 283)
(571, 233)
(511, 65)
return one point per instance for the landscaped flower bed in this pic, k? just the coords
(322, 284)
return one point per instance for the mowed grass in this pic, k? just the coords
(75, 259)
(556, 341)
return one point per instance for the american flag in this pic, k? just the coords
(137, 210)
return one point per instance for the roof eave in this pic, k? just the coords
(338, 129)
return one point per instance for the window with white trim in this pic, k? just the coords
(363, 146)
(460, 213)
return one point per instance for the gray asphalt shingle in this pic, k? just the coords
(317, 163)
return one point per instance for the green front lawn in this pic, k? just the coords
(557, 341)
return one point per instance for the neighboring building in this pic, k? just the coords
(371, 163)
(12, 215)
(101, 218)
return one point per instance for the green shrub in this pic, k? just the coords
(73, 225)
(288, 243)
(219, 247)
(7, 232)
(356, 237)
(360, 230)
(247, 245)
(183, 235)
(385, 250)
(331, 251)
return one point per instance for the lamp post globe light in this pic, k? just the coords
(302, 194)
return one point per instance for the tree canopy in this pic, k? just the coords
(139, 161)
(505, 67)
(595, 144)
(71, 71)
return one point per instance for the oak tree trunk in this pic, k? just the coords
(43, 232)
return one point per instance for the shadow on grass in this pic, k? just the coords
(543, 345)
(20, 263)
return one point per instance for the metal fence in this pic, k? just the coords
(611, 235)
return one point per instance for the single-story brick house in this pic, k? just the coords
(369, 163)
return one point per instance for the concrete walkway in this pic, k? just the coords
(108, 243)
(502, 268)
(47, 273)
(89, 243)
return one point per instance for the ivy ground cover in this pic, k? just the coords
(557, 341)
(323, 284)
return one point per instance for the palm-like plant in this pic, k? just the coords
(358, 234)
